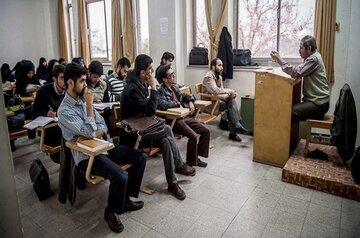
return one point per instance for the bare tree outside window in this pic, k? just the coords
(142, 31)
(202, 33)
(257, 25)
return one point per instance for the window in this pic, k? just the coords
(259, 29)
(99, 25)
(71, 28)
(142, 30)
(201, 33)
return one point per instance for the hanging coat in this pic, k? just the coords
(226, 54)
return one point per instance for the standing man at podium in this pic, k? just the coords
(315, 102)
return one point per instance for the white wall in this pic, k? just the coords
(28, 30)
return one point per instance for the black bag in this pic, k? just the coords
(199, 55)
(15, 105)
(40, 178)
(242, 57)
(143, 125)
(355, 166)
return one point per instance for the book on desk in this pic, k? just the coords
(40, 121)
(178, 110)
(93, 144)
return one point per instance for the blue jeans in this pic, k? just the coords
(123, 184)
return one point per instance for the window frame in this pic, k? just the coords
(69, 10)
(101, 59)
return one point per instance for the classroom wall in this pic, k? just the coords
(28, 30)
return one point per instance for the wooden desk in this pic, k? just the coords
(172, 115)
(47, 149)
(91, 178)
(275, 94)
(27, 99)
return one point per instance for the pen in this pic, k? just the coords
(50, 108)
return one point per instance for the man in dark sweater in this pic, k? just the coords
(47, 101)
(134, 102)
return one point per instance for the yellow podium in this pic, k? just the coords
(274, 136)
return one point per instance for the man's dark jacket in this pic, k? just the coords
(226, 54)
(166, 100)
(134, 98)
(344, 128)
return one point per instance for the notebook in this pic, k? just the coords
(40, 121)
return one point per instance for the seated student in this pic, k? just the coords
(78, 119)
(26, 80)
(134, 102)
(166, 59)
(62, 61)
(171, 96)
(116, 80)
(46, 104)
(96, 82)
(49, 77)
(212, 83)
(41, 70)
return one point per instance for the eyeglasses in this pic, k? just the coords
(171, 75)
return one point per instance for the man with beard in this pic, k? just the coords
(78, 120)
(47, 101)
(116, 80)
(213, 84)
(315, 102)
(135, 102)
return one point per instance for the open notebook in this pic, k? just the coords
(40, 121)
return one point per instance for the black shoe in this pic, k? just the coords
(223, 125)
(113, 221)
(243, 130)
(201, 163)
(176, 191)
(317, 154)
(133, 206)
(234, 137)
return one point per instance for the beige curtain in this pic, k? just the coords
(116, 29)
(214, 33)
(129, 38)
(63, 39)
(324, 32)
(83, 39)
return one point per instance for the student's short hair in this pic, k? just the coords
(122, 62)
(162, 72)
(96, 67)
(73, 71)
(213, 62)
(141, 63)
(58, 69)
(166, 56)
(309, 41)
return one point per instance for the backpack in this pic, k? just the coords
(15, 105)
(355, 166)
(40, 178)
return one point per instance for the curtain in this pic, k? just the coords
(116, 29)
(214, 33)
(324, 32)
(129, 38)
(83, 40)
(63, 39)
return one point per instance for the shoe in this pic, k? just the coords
(133, 205)
(113, 221)
(234, 137)
(186, 170)
(223, 125)
(175, 190)
(201, 163)
(242, 130)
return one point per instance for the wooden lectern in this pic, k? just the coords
(274, 136)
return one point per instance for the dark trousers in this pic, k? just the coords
(191, 128)
(232, 113)
(170, 152)
(123, 184)
(308, 110)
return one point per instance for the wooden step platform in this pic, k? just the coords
(327, 176)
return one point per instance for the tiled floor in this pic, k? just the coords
(232, 197)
